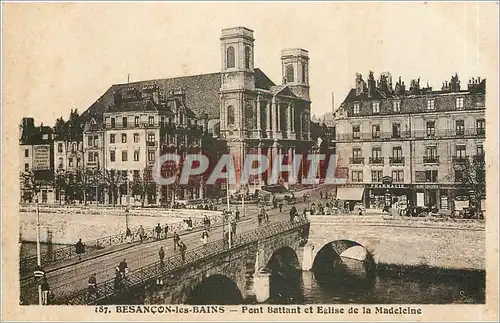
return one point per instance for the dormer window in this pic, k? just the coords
(396, 106)
(430, 105)
(459, 103)
(376, 107)
(355, 109)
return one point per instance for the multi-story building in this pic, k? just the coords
(405, 143)
(68, 156)
(239, 108)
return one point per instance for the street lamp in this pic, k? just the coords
(38, 255)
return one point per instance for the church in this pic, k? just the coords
(239, 108)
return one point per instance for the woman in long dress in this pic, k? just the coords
(204, 237)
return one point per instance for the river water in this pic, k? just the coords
(352, 284)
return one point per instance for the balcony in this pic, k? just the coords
(376, 160)
(152, 143)
(397, 160)
(431, 159)
(91, 164)
(459, 159)
(357, 160)
(478, 157)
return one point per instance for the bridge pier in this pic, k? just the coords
(307, 256)
(262, 285)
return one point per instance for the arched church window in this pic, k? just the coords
(247, 57)
(230, 115)
(304, 74)
(289, 73)
(230, 57)
(249, 117)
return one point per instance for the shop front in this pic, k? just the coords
(350, 196)
(383, 196)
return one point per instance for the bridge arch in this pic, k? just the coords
(215, 289)
(342, 260)
(284, 267)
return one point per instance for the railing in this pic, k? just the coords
(431, 159)
(459, 159)
(397, 160)
(376, 160)
(27, 264)
(356, 160)
(439, 133)
(141, 275)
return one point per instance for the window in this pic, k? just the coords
(430, 105)
(376, 131)
(61, 163)
(247, 57)
(480, 150)
(357, 176)
(396, 130)
(459, 175)
(289, 73)
(355, 109)
(112, 138)
(151, 120)
(230, 115)
(113, 122)
(136, 137)
(431, 128)
(431, 176)
(112, 156)
(480, 126)
(397, 153)
(136, 121)
(376, 153)
(124, 122)
(151, 155)
(89, 141)
(377, 176)
(376, 107)
(304, 74)
(59, 148)
(459, 127)
(230, 59)
(151, 137)
(396, 106)
(26, 152)
(73, 147)
(78, 162)
(356, 153)
(459, 103)
(124, 155)
(431, 152)
(96, 141)
(460, 152)
(124, 137)
(136, 155)
(397, 176)
(355, 132)
(70, 162)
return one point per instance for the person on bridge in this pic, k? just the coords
(158, 231)
(237, 213)
(123, 268)
(281, 207)
(128, 235)
(80, 249)
(293, 212)
(141, 233)
(204, 237)
(320, 195)
(176, 239)
(182, 249)
(92, 289)
(161, 253)
(233, 227)
(45, 291)
(166, 230)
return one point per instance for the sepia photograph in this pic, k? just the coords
(280, 160)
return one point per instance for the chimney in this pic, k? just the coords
(371, 84)
(360, 84)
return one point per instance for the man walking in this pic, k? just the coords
(182, 249)
(166, 230)
(161, 253)
(176, 239)
(158, 231)
(80, 249)
(140, 232)
(45, 291)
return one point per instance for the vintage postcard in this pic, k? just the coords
(260, 161)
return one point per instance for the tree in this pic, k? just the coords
(31, 186)
(142, 184)
(84, 180)
(472, 175)
(60, 129)
(59, 182)
(112, 179)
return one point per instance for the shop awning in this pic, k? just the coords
(350, 193)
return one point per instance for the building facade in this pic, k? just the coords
(406, 143)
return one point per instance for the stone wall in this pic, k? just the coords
(67, 225)
(405, 242)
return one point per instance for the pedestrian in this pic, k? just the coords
(45, 291)
(182, 249)
(281, 207)
(80, 249)
(123, 268)
(320, 195)
(275, 203)
(117, 281)
(204, 237)
(176, 239)
(92, 288)
(140, 232)
(237, 214)
(233, 227)
(166, 230)
(259, 218)
(161, 253)
(158, 231)
(128, 235)
(293, 211)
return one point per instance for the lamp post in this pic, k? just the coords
(38, 255)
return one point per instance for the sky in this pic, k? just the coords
(59, 57)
